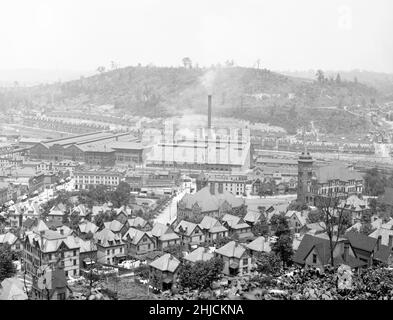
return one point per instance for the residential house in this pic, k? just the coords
(164, 236)
(80, 210)
(139, 223)
(86, 227)
(368, 249)
(236, 225)
(12, 240)
(199, 254)
(190, 233)
(50, 284)
(87, 253)
(314, 251)
(258, 245)
(138, 242)
(313, 228)
(57, 213)
(252, 217)
(213, 229)
(296, 220)
(386, 236)
(110, 247)
(114, 225)
(237, 260)
(49, 247)
(356, 207)
(163, 272)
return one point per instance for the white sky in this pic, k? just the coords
(292, 34)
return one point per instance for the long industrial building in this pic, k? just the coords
(102, 148)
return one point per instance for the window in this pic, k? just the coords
(245, 261)
(314, 258)
(74, 262)
(148, 246)
(113, 251)
(74, 253)
(121, 250)
(108, 252)
(108, 260)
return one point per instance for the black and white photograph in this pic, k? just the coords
(213, 151)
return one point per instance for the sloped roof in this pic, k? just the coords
(231, 219)
(354, 203)
(166, 262)
(187, 226)
(50, 241)
(305, 246)
(199, 254)
(232, 249)
(85, 245)
(159, 229)
(209, 222)
(252, 216)
(113, 225)
(41, 226)
(384, 233)
(87, 226)
(361, 241)
(12, 289)
(259, 244)
(298, 215)
(210, 202)
(135, 235)
(107, 238)
(8, 238)
(137, 222)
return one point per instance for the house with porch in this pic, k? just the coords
(110, 247)
(236, 258)
(138, 242)
(163, 272)
(213, 229)
(190, 233)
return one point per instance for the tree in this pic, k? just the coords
(7, 268)
(267, 263)
(121, 196)
(283, 248)
(201, 274)
(176, 250)
(261, 228)
(335, 219)
(320, 76)
(187, 62)
(283, 245)
(101, 69)
(374, 182)
(221, 241)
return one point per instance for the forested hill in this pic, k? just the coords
(160, 91)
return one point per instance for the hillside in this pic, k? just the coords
(383, 82)
(155, 92)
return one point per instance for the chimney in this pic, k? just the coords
(390, 240)
(209, 111)
(346, 251)
(379, 242)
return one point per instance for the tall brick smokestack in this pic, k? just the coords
(209, 111)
